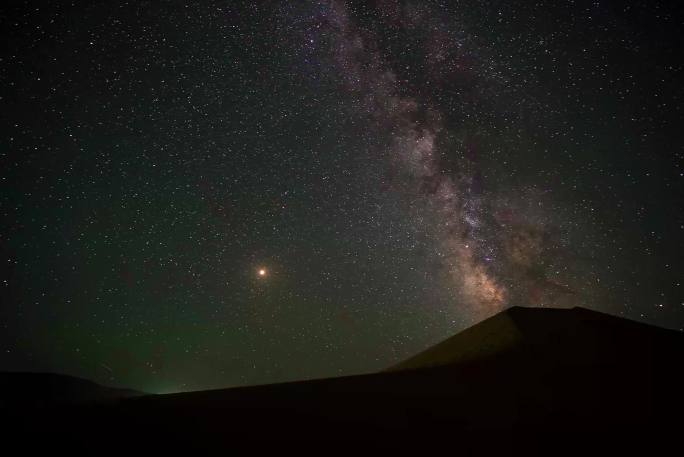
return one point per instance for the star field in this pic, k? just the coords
(231, 193)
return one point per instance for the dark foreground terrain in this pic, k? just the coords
(556, 381)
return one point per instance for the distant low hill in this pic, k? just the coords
(555, 379)
(48, 389)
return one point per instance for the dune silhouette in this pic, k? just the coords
(541, 374)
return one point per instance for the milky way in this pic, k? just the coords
(494, 255)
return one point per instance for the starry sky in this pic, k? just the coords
(222, 193)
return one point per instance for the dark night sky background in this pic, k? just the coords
(401, 170)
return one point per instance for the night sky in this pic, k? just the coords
(225, 193)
